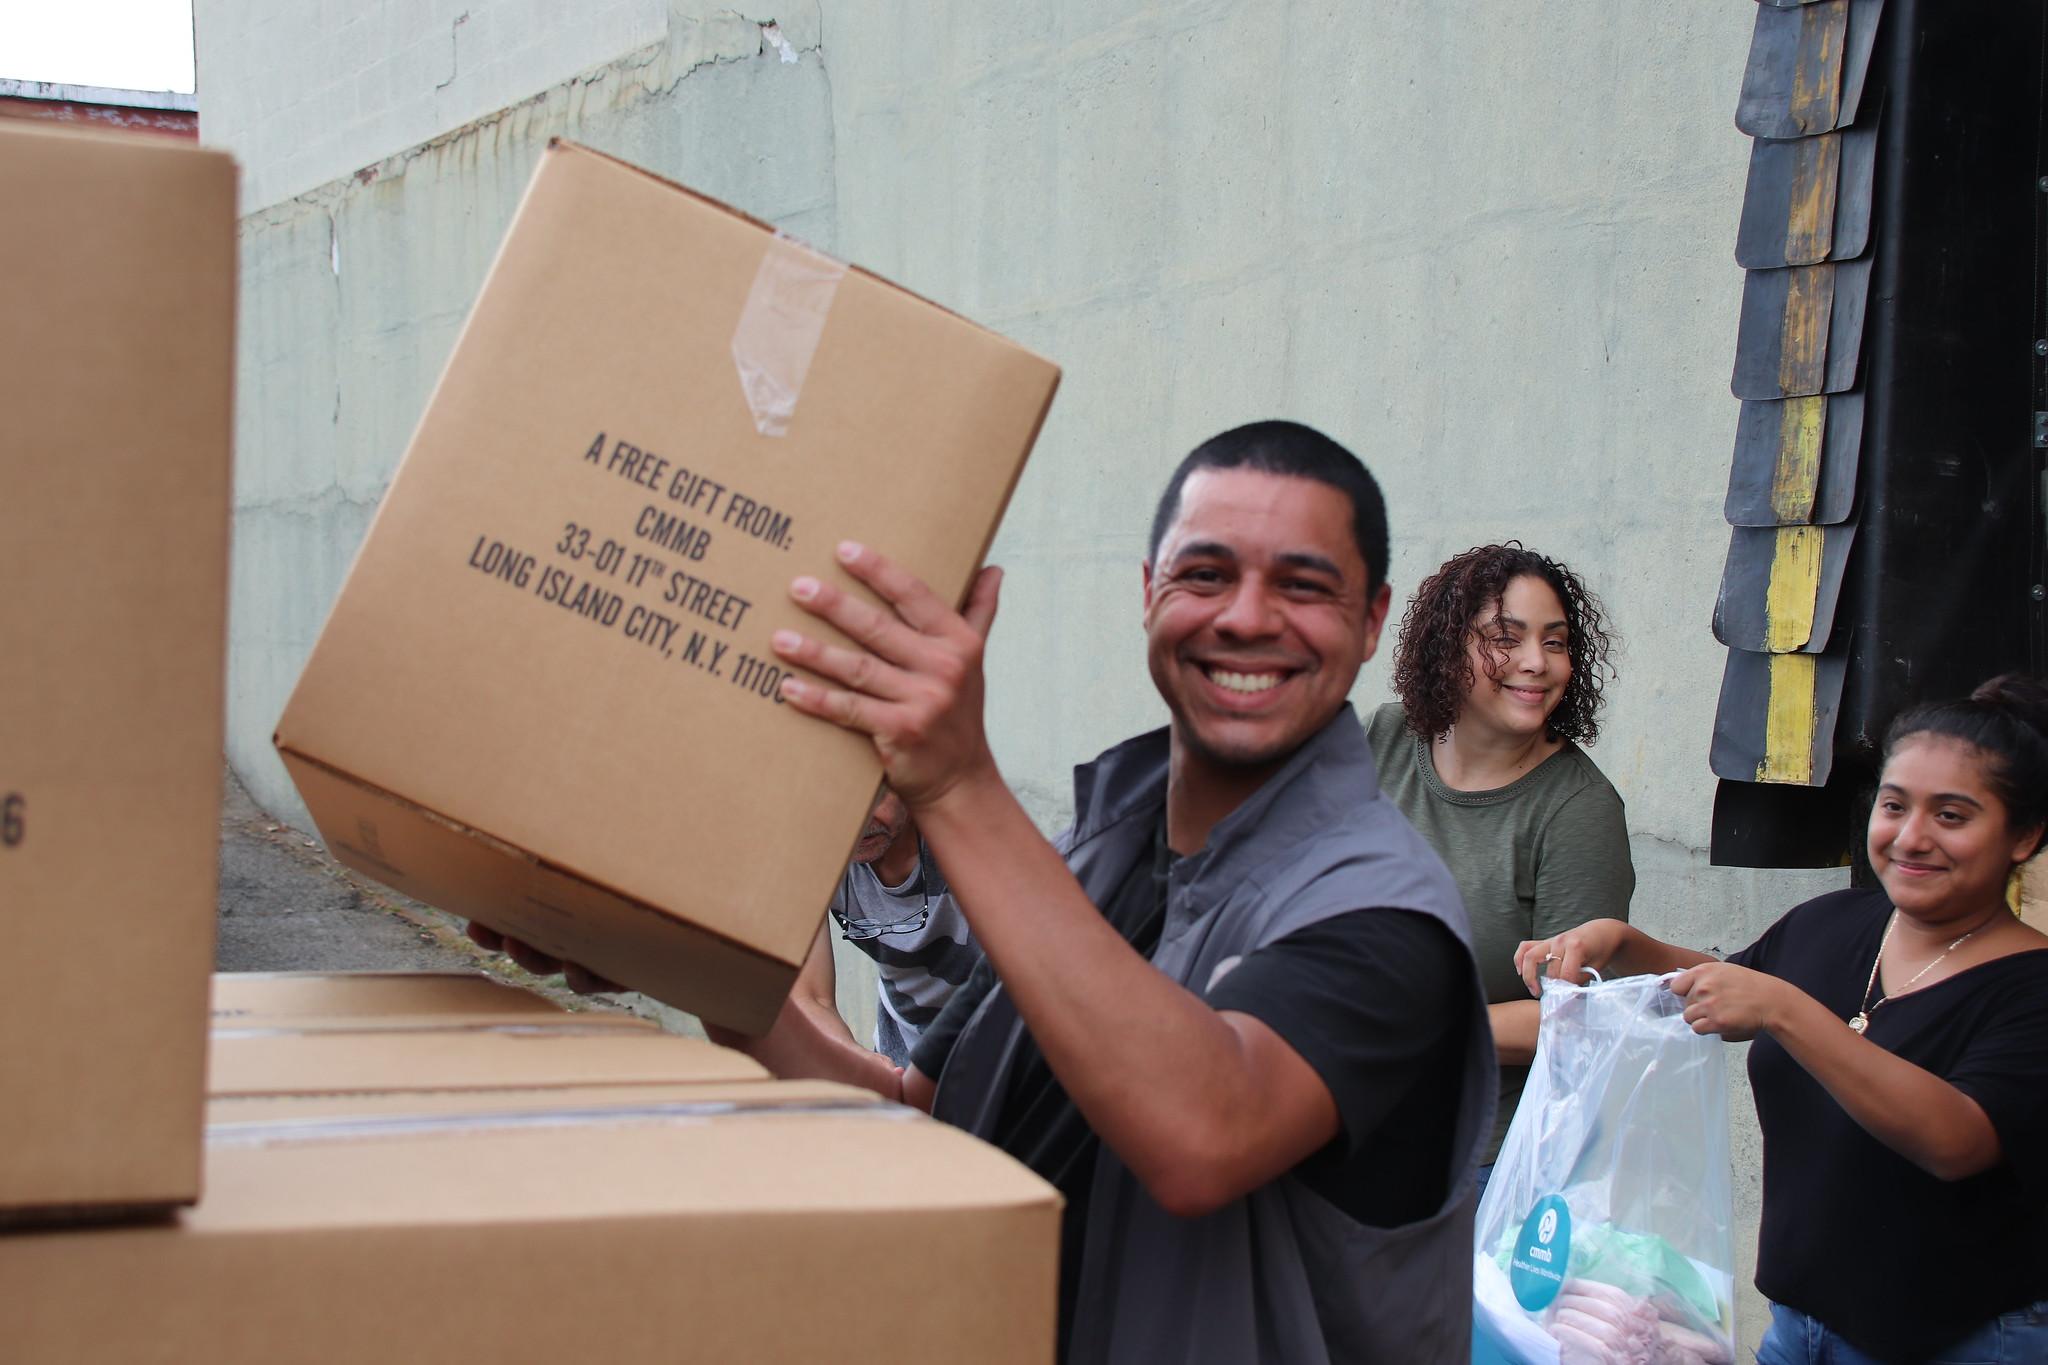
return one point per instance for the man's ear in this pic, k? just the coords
(1146, 568)
(1376, 608)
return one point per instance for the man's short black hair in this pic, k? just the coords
(1301, 452)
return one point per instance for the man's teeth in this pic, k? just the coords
(1244, 682)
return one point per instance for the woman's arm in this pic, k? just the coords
(1515, 1025)
(1608, 946)
(1910, 1110)
(1583, 872)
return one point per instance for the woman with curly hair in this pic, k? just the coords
(1502, 658)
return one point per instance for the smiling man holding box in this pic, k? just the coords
(1234, 1015)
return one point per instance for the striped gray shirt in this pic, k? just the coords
(919, 968)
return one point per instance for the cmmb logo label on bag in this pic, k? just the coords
(1536, 1268)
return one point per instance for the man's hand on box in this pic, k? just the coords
(912, 680)
(580, 979)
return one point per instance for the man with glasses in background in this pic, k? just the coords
(892, 904)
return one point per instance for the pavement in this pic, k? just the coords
(286, 906)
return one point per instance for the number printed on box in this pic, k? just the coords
(13, 819)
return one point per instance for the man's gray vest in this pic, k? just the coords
(1280, 1275)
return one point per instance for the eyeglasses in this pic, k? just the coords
(859, 930)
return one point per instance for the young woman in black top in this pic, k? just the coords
(1900, 1066)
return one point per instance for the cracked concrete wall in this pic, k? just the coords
(310, 90)
(1487, 245)
(352, 296)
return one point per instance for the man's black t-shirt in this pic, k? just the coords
(1358, 996)
(1855, 1235)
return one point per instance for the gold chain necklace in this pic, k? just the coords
(1861, 1021)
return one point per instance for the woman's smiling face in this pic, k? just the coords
(1939, 837)
(1520, 659)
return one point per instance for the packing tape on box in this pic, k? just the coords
(274, 1132)
(779, 329)
(410, 1025)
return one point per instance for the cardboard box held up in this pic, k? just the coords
(116, 365)
(545, 698)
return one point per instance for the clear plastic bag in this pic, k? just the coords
(1605, 1236)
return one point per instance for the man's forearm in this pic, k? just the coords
(809, 1041)
(1169, 1083)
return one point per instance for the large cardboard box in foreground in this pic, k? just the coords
(116, 364)
(709, 1223)
(545, 698)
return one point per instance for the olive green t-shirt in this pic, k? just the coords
(1545, 853)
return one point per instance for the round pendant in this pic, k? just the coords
(1859, 1023)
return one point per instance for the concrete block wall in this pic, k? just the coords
(1487, 245)
(310, 90)
(353, 295)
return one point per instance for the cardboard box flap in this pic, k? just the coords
(285, 1063)
(232, 1111)
(588, 1021)
(753, 1161)
(571, 1109)
(240, 996)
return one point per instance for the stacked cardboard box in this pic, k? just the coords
(551, 1189)
(116, 356)
(309, 1035)
(256, 999)
(710, 1223)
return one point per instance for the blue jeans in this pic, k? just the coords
(2017, 1338)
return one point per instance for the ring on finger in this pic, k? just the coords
(1550, 957)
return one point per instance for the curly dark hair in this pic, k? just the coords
(1433, 668)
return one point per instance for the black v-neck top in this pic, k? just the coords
(1855, 1235)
